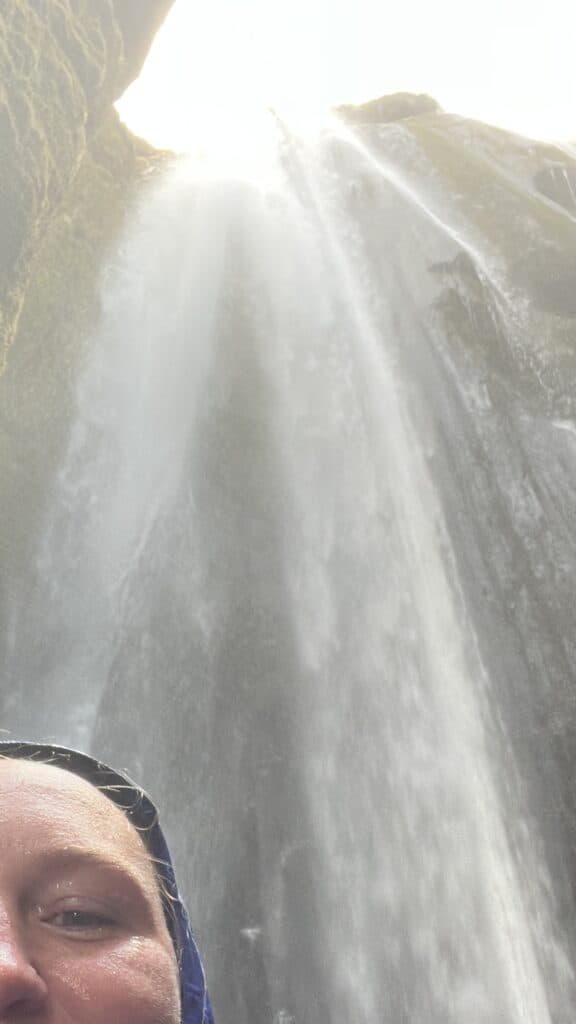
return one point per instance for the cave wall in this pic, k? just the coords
(70, 173)
(62, 65)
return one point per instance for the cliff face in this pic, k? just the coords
(139, 21)
(62, 64)
(510, 201)
(386, 109)
(68, 171)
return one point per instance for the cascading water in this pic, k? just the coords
(247, 594)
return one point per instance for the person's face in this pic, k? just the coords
(83, 939)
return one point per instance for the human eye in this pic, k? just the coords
(85, 923)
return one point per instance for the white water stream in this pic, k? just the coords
(248, 496)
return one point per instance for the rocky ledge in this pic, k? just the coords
(385, 109)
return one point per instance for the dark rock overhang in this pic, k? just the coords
(139, 21)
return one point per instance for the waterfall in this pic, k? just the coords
(248, 593)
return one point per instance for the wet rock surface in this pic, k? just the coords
(62, 64)
(386, 109)
(557, 181)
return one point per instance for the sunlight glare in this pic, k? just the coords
(214, 66)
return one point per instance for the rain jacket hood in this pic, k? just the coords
(142, 813)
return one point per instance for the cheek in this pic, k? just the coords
(137, 981)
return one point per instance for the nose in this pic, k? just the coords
(22, 990)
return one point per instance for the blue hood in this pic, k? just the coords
(141, 811)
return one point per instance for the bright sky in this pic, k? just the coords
(217, 62)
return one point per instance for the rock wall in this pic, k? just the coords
(69, 172)
(62, 65)
(386, 109)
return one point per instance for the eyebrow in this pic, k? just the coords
(65, 858)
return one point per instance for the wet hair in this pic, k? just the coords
(130, 798)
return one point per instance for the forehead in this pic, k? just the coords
(40, 803)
